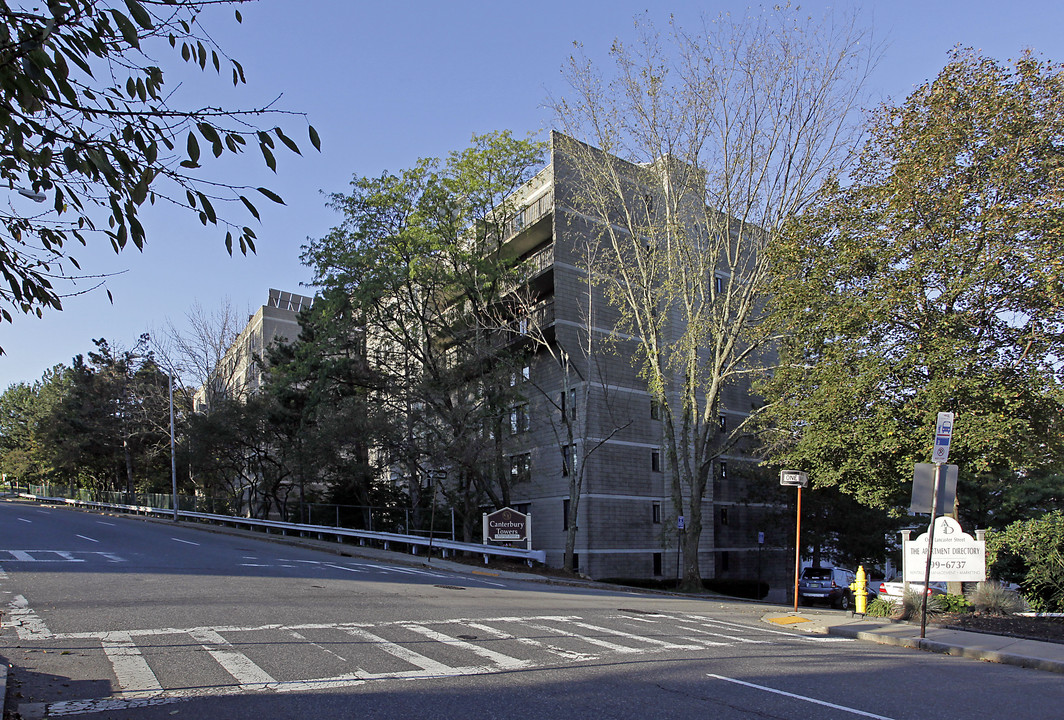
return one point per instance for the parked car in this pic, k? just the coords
(826, 585)
(894, 589)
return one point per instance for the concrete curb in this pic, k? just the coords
(945, 648)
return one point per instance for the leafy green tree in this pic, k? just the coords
(931, 281)
(24, 454)
(113, 425)
(421, 255)
(322, 383)
(89, 127)
(1031, 553)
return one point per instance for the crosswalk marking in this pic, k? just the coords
(52, 556)
(504, 662)
(240, 666)
(135, 677)
(137, 685)
(637, 638)
(430, 666)
(622, 649)
(552, 649)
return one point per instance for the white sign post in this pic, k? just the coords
(939, 454)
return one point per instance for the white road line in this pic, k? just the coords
(804, 698)
(27, 624)
(793, 635)
(553, 649)
(186, 542)
(624, 649)
(244, 671)
(430, 666)
(637, 638)
(84, 537)
(25, 520)
(101, 522)
(21, 556)
(342, 567)
(505, 662)
(731, 638)
(304, 638)
(135, 678)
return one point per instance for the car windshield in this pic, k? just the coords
(817, 573)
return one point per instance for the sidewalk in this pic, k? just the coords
(977, 646)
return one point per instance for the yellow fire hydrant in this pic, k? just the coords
(860, 592)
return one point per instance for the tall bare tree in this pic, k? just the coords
(695, 149)
(195, 354)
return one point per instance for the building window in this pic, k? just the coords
(568, 459)
(567, 404)
(723, 421)
(724, 516)
(655, 513)
(655, 460)
(520, 468)
(655, 410)
(657, 563)
(724, 561)
(520, 376)
(718, 282)
(519, 419)
(565, 514)
(723, 470)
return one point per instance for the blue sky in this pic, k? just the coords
(387, 82)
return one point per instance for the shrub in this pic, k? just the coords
(995, 599)
(955, 604)
(881, 607)
(910, 605)
(1031, 553)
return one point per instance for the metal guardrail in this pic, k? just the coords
(387, 538)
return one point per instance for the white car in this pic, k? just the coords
(890, 589)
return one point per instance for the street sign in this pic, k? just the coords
(506, 525)
(679, 522)
(794, 478)
(943, 434)
(956, 556)
(924, 488)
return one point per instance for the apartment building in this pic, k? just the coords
(239, 374)
(587, 410)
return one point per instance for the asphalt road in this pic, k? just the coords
(117, 617)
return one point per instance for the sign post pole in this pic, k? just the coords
(939, 455)
(797, 547)
(798, 479)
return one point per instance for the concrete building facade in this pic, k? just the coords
(239, 374)
(586, 409)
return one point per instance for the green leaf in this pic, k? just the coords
(193, 148)
(205, 203)
(139, 14)
(287, 141)
(271, 195)
(128, 29)
(251, 208)
(70, 157)
(271, 161)
(314, 139)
